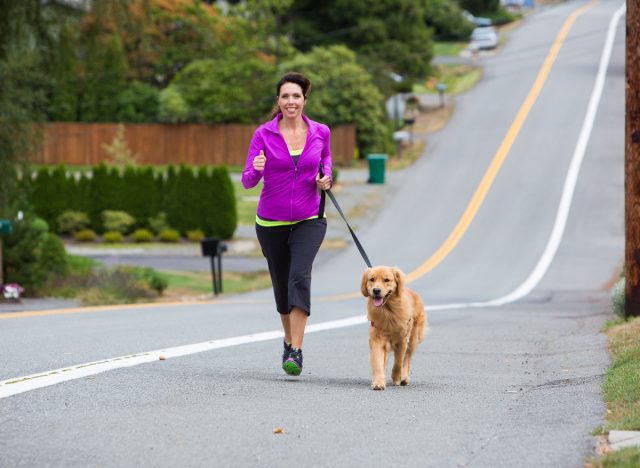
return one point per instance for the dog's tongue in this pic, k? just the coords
(378, 301)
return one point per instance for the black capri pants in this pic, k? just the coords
(290, 251)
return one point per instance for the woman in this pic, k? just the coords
(287, 152)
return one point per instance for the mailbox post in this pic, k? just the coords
(441, 89)
(5, 230)
(214, 248)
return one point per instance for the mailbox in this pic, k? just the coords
(5, 227)
(214, 248)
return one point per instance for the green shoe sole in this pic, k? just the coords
(291, 368)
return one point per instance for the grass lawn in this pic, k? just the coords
(622, 391)
(459, 78)
(246, 203)
(200, 283)
(448, 48)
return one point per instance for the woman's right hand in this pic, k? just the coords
(259, 161)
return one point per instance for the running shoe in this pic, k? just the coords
(293, 364)
(287, 350)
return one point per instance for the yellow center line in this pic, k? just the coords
(445, 248)
(84, 310)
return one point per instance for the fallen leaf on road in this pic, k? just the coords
(278, 430)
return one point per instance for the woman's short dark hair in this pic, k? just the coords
(297, 78)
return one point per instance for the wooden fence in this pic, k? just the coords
(194, 144)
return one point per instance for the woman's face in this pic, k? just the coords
(291, 100)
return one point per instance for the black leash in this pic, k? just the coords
(335, 203)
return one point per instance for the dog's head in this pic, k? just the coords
(381, 282)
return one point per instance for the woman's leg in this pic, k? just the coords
(298, 322)
(274, 242)
(286, 326)
(304, 243)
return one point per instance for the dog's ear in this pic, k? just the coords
(363, 283)
(399, 280)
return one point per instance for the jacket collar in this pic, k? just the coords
(272, 125)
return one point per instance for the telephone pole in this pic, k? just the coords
(632, 162)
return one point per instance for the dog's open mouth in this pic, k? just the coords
(378, 301)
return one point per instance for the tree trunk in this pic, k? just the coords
(632, 162)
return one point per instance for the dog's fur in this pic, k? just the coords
(398, 323)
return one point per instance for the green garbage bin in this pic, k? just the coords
(377, 164)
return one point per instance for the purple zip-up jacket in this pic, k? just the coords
(289, 193)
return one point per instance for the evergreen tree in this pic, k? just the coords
(98, 196)
(41, 193)
(64, 100)
(206, 208)
(105, 77)
(141, 194)
(172, 198)
(225, 216)
(187, 198)
(116, 196)
(59, 195)
(52, 193)
(480, 7)
(21, 95)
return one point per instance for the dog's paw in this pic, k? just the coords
(404, 381)
(377, 386)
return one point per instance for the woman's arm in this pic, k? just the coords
(251, 176)
(325, 157)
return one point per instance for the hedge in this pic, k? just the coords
(193, 199)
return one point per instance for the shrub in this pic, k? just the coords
(119, 221)
(169, 235)
(70, 222)
(117, 286)
(52, 257)
(86, 235)
(141, 235)
(138, 103)
(113, 237)
(195, 236)
(158, 223)
(155, 280)
(617, 297)
(20, 252)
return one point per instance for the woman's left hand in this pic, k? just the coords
(323, 183)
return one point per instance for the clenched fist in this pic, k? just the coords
(259, 161)
(323, 183)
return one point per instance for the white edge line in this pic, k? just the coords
(27, 383)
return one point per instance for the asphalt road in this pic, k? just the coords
(515, 385)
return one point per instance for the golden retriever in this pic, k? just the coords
(398, 322)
